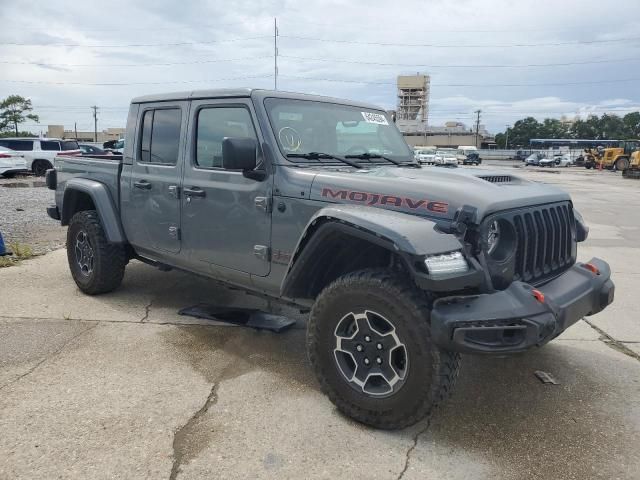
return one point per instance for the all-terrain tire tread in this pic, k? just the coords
(111, 271)
(446, 365)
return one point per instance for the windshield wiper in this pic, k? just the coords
(368, 156)
(320, 155)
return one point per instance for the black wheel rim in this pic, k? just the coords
(84, 253)
(369, 355)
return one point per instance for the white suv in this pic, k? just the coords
(40, 152)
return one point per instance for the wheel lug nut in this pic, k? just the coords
(366, 361)
(379, 361)
(367, 338)
(359, 348)
(379, 346)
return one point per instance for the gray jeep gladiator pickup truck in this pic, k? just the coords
(317, 202)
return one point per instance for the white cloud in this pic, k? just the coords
(459, 27)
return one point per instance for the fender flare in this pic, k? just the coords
(105, 206)
(408, 235)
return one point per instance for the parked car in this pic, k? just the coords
(562, 160)
(11, 163)
(88, 149)
(534, 159)
(445, 157)
(280, 194)
(425, 156)
(522, 154)
(463, 153)
(40, 152)
(472, 158)
(115, 147)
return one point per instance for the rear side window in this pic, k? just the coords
(19, 145)
(160, 138)
(214, 124)
(49, 145)
(69, 145)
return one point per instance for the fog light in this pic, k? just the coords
(446, 264)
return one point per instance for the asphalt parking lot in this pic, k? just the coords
(120, 386)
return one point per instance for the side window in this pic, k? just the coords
(160, 139)
(145, 143)
(49, 145)
(19, 145)
(213, 125)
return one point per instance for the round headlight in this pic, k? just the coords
(493, 237)
(500, 240)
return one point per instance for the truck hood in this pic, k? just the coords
(434, 192)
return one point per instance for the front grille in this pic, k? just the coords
(496, 178)
(545, 241)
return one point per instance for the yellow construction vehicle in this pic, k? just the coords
(634, 166)
(614, 158)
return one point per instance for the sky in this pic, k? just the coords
(507, 58)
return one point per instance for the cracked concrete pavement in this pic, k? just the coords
(120, 386)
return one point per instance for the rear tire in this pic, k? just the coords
(369, 342)
(96, 265)
(40, 167)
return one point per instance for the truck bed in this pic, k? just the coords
(102, 168)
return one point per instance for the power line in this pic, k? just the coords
(350, 26)
(130, 29)
(117, 84)
(553, 84)
(512, 45)
(561, 64)
(131, 45)
(45, 64)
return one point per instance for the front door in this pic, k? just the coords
(226, 219)
(155, 181)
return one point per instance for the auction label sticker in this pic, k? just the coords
(377, 118)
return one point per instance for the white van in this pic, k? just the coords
(463, 151)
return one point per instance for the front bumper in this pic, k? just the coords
(514, 320)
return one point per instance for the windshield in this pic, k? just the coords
(444, 153)
(119, 144)
(304, 126)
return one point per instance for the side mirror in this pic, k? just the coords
(239, 153)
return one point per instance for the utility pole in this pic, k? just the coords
(75, 128)
(275, 53)
(477, 112)
(506, 142)
(95, 123)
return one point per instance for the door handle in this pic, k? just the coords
(142, 185)
(194, 192)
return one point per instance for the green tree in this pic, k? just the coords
(524, 130)
(553, 128)
(632, 124)
(15, 110)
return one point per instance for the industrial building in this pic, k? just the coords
(58, 131)
(412, 118)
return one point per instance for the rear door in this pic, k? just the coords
(154, 209)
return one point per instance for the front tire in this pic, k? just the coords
(621, 164)
(369, 342)
(96, 265)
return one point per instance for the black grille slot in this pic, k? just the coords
(496, 178)
(545, 241)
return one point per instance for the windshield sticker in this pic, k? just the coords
(376, 118)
